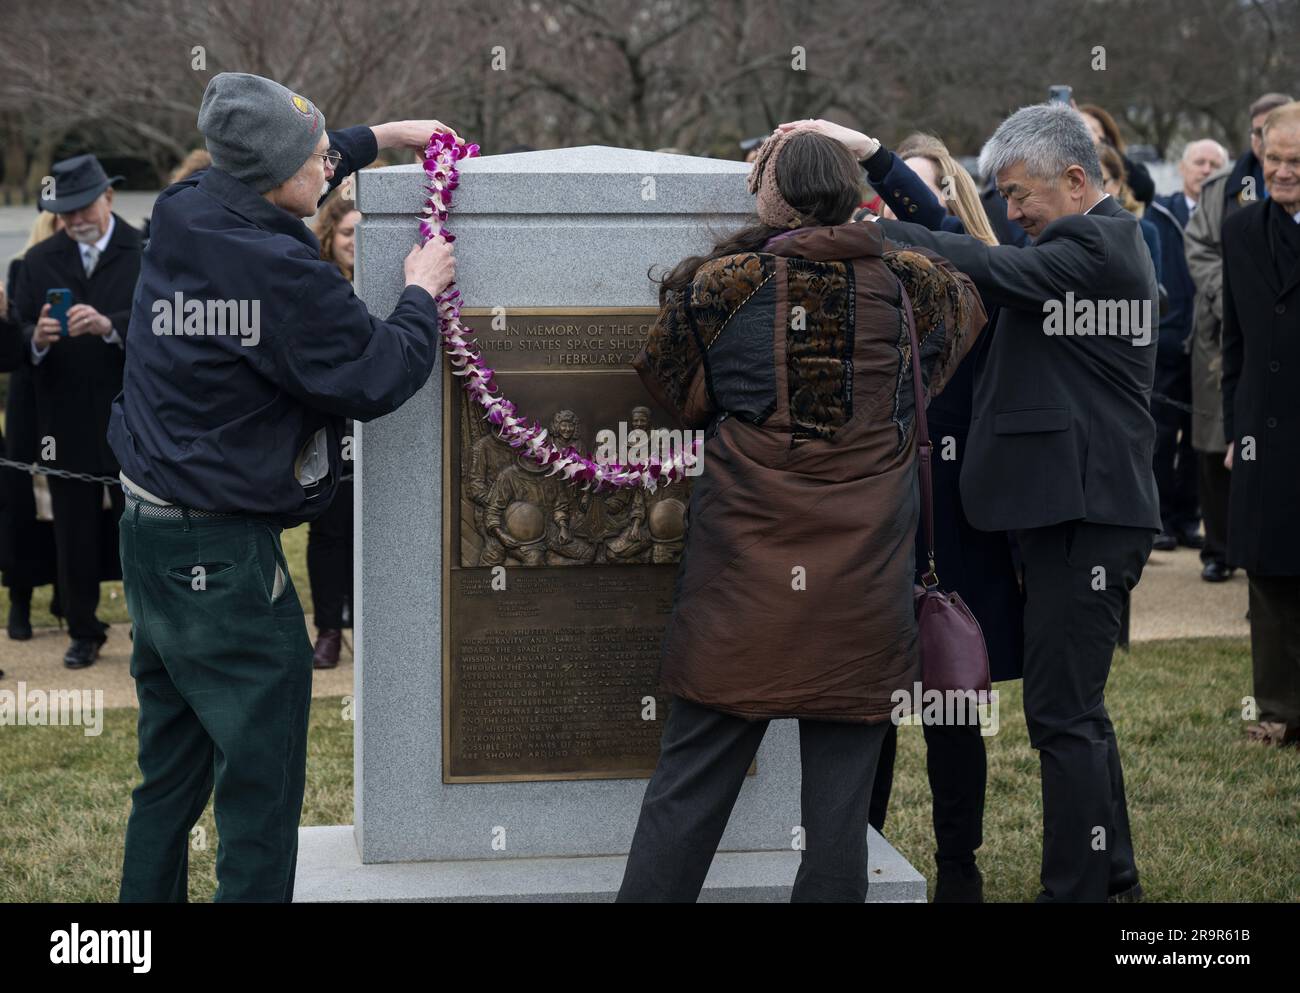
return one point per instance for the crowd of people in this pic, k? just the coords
(61, 531)
(1073, 454)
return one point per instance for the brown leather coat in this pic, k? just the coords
(794, 596)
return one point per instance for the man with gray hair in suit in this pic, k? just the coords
(1061, 443)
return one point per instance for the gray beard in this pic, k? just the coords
(89, 238)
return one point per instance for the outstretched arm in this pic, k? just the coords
(948, 312)
(906, 193)
(1011, 276)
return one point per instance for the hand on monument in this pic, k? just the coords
(432, 267)
(856, 142)
(408, 134)
(1227, 459)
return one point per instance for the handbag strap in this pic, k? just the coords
(924, 447)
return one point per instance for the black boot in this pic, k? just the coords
(20, 619)
(959, 883)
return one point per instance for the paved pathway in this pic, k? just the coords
(1171, 602)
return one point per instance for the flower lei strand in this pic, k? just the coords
(529, 437)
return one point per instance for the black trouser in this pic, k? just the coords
(1175, 460)
(1275, 647)
(1077, 576)
(82, 531)
(956, 764)
(703, 758)
(329, 562)
(1213, 484)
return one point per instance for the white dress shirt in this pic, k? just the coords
(1104, 196)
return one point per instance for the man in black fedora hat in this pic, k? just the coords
(78, 371)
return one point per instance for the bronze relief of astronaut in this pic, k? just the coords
(525, 516)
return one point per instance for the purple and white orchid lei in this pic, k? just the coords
(440, 157)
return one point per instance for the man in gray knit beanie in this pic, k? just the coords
(257, 130)
(225, 435)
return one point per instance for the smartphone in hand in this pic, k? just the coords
(59, 300)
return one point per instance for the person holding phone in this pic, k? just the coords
(74, 297)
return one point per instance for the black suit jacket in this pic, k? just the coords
(1261, 395)
(77, 380)
(1061, 428)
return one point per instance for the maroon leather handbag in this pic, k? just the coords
(953, 653)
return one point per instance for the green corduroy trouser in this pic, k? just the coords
(223, 673)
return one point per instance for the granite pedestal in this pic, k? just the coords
(573, 227)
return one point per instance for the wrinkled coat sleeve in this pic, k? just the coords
(671, 362)
(1233, 356)
(336, 357)
(1010, 276)
(1203, 249)
(12, 341)
(906, 193)
(948, 312)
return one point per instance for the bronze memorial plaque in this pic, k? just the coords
(546, 678)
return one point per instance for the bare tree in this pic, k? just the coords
(696, 74)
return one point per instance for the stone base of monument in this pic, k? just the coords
(476, 715)
(330, 871)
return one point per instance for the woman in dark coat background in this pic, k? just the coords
(980, 565)
(329, 537)
(26, 544)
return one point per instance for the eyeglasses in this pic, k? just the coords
(331, 158)
(1257, 133)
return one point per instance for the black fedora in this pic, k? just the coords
(78, 181)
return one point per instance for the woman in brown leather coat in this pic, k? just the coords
(787, 345)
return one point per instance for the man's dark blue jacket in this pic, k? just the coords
(212, 423)
(1170, 214)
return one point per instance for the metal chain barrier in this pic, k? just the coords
(85, 477)
(1185, 407)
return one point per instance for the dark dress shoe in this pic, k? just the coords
(20, 621)
(1165, 542)
(1217, 572)
(959, 884)
(326, 655)
(1190, 538)
(82, 652)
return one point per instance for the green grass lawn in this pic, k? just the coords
(1214, 819)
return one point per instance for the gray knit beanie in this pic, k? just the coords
(257, 130)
